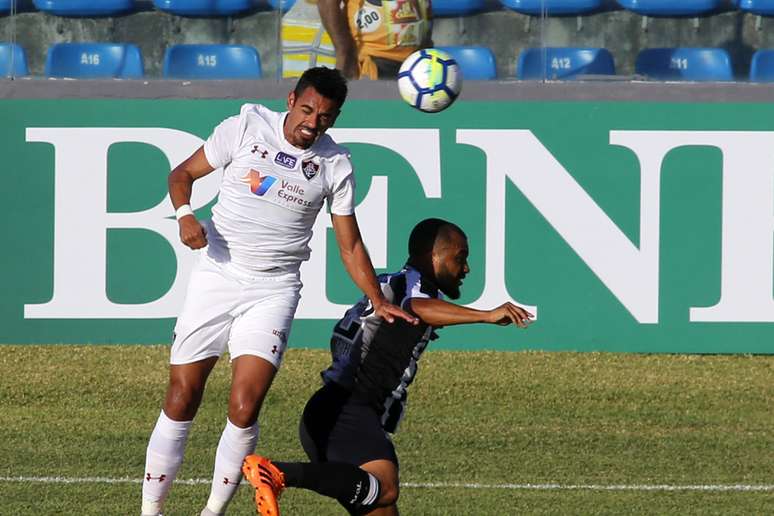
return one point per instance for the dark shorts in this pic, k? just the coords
(387, 68)
(336, 429)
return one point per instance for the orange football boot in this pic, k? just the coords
(268, 482)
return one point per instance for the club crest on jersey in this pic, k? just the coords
(259, 184)
(285, 160)
(309, 168)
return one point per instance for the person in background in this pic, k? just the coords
(363, 38)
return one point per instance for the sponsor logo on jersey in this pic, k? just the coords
(263, 153)
(285, 160)
(259, 184)
(309, 168)
(293, 193)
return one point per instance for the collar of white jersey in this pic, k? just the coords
(288, 147)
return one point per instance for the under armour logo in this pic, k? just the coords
(263, 153)
(274, 350)
(160, 478)
(226, 481)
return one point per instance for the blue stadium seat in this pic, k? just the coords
(285, 5)
(5, 6)
(762, 66)
(13, 60)
(94, 60)
(760, 7)
(204, 7)
(476, 63)
(685, 64)
(564, 63)
(552, 7)
(452, 8)
(84, 7)
(212, 62)
(671, 7)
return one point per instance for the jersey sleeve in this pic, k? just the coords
(222, 143)
(414, 289)
(341, 200)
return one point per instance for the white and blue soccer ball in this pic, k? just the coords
(429, 80)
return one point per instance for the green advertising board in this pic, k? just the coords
(626, 226)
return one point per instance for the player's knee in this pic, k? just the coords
(182, 401)
(243, 410)
(388, 494)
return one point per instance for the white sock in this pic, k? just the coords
(162, 460)
(235, 444)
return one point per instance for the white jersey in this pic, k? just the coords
(271, 191)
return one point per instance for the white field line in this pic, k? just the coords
(439, 485)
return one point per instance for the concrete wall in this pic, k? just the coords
(505, 32)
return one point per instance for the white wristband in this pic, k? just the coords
(183, 211)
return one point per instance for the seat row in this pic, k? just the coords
(122, 60)
(440, 7)
(566, 63)
(180, 7)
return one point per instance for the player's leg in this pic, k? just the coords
(200, 337)
(386, 472)
(356, 489)
(257, 344)
(251, 378)
(337, 436)
(166, 445)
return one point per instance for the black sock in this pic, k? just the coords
(348, 484)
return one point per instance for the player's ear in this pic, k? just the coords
(435, 259)
(291, 99)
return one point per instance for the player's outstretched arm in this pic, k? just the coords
(437, 312)
(358, 264)
(180, 182)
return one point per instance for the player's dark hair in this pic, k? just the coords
(425, 233)
(327, 81)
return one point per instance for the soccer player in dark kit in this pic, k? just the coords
(346, 424)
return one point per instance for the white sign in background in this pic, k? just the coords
(629, 271)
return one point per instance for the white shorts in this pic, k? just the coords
(246, 313)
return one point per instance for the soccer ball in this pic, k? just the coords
(429, 80)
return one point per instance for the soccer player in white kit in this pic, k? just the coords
(278, 169)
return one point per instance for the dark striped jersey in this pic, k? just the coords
(375, 359)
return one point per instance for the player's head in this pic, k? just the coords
(440, 248)
(314, 105)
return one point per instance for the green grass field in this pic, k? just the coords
(496, 420)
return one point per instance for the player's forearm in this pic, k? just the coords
(180, 185)
(436, 312)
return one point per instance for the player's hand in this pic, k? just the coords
(508, 313)
(389, 312)
(192, 233)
